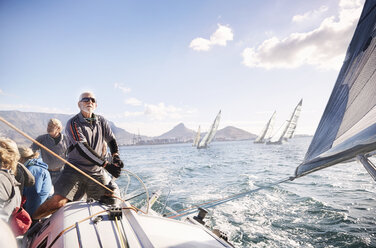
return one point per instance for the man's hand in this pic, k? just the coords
(113, 169)
(116, 160)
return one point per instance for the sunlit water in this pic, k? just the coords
(334, 207)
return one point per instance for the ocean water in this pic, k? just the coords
(334, 207)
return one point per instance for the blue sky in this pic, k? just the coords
(154, 64)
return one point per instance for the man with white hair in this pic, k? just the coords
(56, 142)
(87, 133)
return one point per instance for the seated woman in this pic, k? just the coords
(10, 195)
(38, 193)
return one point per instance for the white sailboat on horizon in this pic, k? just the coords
(267, 130)
(277, 138)
(293, 121)
(197, 137)
(287, 130)
(204, 142)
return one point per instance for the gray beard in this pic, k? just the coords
(87, 111)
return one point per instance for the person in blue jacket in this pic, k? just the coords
(39, 192)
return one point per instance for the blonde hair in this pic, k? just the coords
(9, 154)
(26, 153)
(54, 123)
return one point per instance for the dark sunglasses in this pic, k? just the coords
(88, 99)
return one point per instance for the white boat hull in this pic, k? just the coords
(131, 230)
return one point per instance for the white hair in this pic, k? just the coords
(85, 93)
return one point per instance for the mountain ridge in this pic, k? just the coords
(35, 124)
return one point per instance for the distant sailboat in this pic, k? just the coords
(287, 130)
(293, 121)
(210, 135)
(197, 138)
(267, 131)
(277, 138)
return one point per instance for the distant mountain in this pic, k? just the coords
(35, 124)
(179, 132)
(122, 137)
(182, 133)
(233, 133)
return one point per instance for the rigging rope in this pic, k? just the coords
(143, 185)
(120, 234)
(213, 203)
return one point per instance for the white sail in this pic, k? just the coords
(267, 131)
(293, 121)
(277, 138)
(210, 135)
(347, 128)
(197, 138)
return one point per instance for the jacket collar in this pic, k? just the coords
(87, 120)
(36, 162)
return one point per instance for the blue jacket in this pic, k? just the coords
(37, 194)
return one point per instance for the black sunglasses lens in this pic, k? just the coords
(88, 99)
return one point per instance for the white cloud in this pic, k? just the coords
(310, 14)
(219, 37)
(200, 44)
(1, 92)
(323, 47)
(133, 101)
(129, 114)
(161, 111)
(157, 112)
(122, 87)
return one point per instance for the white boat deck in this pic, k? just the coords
(132, 230)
